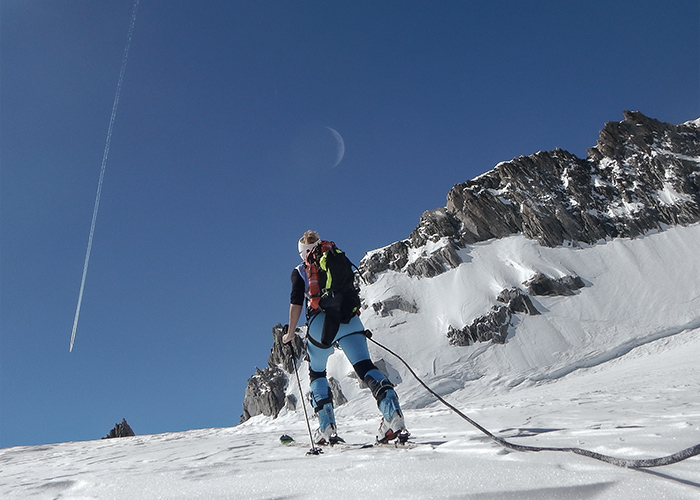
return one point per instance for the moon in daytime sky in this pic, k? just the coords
(340, 144)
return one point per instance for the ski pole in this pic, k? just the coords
(314, 450)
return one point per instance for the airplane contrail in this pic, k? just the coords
(102, 171)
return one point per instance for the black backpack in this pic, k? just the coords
(332, 287)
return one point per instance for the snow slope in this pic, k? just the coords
(611, 369)
(637, 291)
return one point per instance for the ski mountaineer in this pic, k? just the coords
(349, 336)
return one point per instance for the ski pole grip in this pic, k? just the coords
(285, 329)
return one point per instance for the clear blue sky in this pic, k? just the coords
(220, 159)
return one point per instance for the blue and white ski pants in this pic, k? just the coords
(352, 341)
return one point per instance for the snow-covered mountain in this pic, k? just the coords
(551, 257)
(554, 300)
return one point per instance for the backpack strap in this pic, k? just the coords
(312, 265)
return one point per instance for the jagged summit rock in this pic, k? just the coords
(122, 429)
(641, 175)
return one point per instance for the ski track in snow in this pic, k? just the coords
(612, 369)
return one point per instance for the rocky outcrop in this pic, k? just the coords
(122, 429)
(437, 227)
(436, 262)
(495, 325)
(339, 398)
(641, 175)
(396, 303)
(541, 284)
(280, 354)
(490, 327)
(517, 302)
(265, 393)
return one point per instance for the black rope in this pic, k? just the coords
(620, 462)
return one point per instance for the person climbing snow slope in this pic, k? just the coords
(324, 283)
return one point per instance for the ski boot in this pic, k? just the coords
(392, 427)
(393, 430)
(326, 433)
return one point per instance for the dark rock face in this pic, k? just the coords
(393, 257)
(265, 393)
(339, 398)
(122, 429)
(436, 263)
(544, 285)
(517, 302)
(641, 175)
(279, 353)
(490, 327)
(434, 225)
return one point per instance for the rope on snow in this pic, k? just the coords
(620, 462)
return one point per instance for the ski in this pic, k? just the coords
(342, 445)
(288, 440)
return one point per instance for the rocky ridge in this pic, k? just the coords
(641, 175)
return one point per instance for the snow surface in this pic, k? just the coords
(611, 369)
